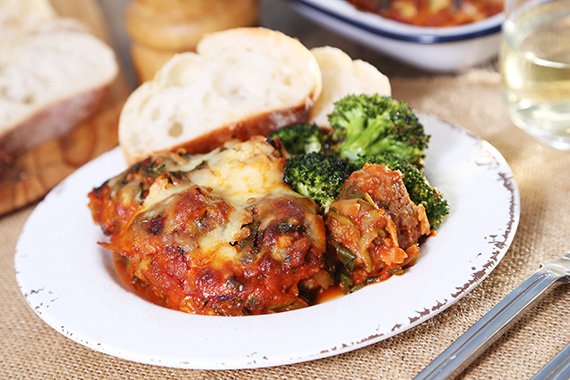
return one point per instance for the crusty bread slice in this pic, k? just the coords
(19, 16)
(341, 76)
(241, 82)
(52, 75)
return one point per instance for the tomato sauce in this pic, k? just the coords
(125, 279)
(329, 294)
(145, 293)
(439, 13)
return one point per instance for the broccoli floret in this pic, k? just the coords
(317, 176)
(367, 125)
(300, 138)
(419, 188)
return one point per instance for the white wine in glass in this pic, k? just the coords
(535, 68)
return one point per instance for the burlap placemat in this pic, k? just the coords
(31, 350)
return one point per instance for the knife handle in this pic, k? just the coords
(556, 369)
(490, 327)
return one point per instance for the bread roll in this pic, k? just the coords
(341, 76)
(52, 74)
(178, 31)
(241, 82)
(147, 61)
(190, 9)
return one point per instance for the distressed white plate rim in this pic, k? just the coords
(68, 280)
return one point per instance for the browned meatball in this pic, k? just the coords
(386, 188)
(367, 225)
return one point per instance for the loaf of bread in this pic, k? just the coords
(341, 76)
(184, 8)
(180, 25)
(240, 83)
(159, 29)
(147, 60)
(53, 73)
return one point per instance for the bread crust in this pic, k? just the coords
(51, 121)
(259, 125)
(53, 74)
(242, 130)
(199, 101)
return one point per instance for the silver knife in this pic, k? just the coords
(556, 369)
(492, 325)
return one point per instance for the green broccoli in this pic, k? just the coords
(367, 125)
(365, 129)
(419, 188)
(300, 138)
(317, 176)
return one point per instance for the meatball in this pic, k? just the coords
(373, 228)
(387, 190)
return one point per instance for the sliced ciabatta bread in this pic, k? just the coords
(341, 76)
(53, 73)
(241, 82)
(18, 16)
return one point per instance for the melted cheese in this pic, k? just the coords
(215, 244)
(246, 170)
(238, 173)
(160, 190)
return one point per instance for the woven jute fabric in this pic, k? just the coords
(29, 349)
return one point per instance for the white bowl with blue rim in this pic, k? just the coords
(437, 49)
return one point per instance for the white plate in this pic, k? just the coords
(438, 49)
(68, 280)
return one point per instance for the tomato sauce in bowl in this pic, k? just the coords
(433, 13)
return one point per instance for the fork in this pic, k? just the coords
(492, 325)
